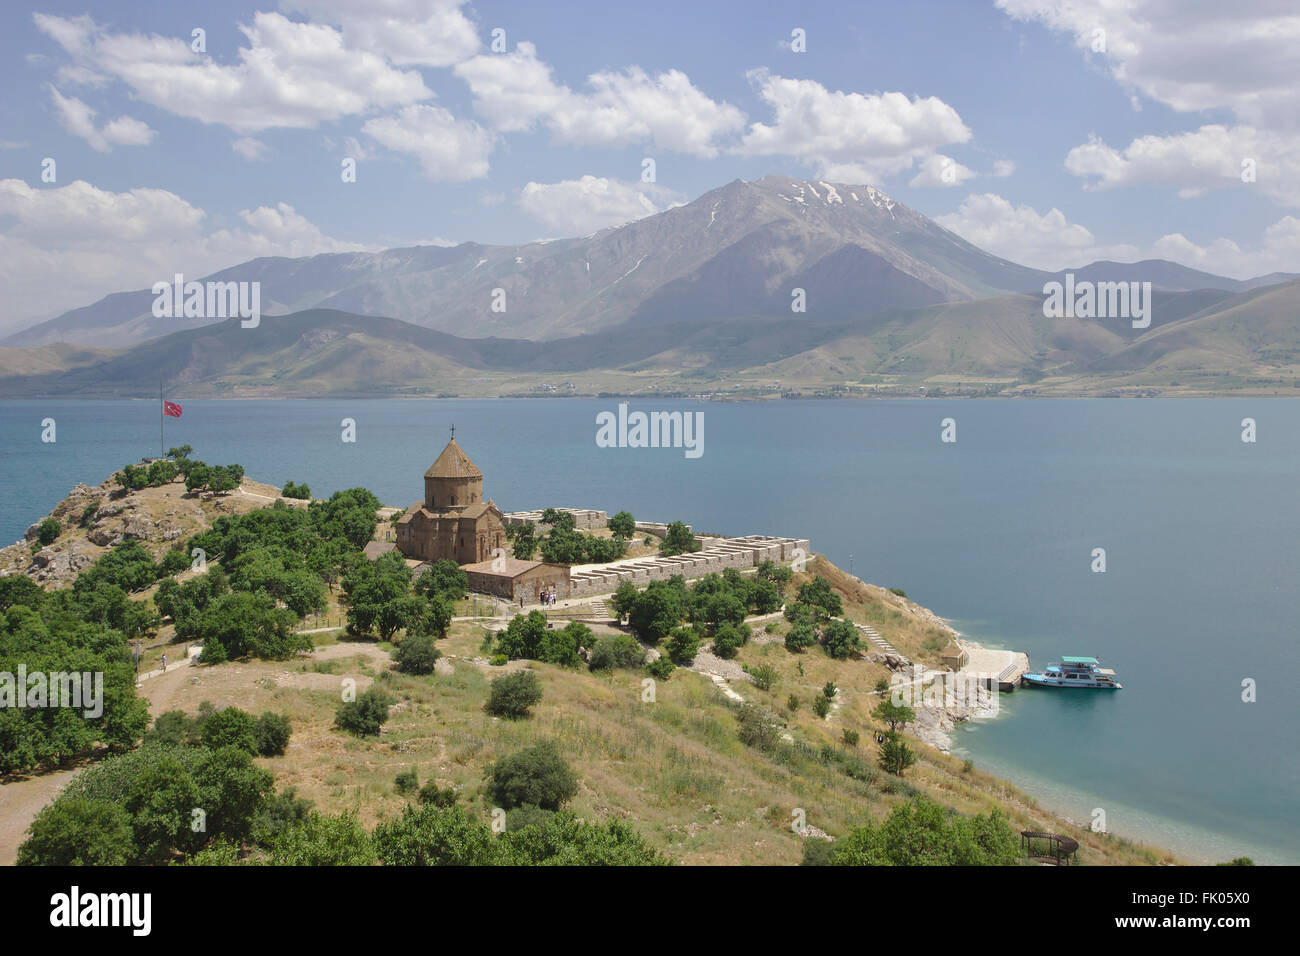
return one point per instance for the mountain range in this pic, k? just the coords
(690, 298)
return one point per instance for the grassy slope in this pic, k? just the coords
(674, 768)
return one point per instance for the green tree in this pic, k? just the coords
(895, 755)
(683, 645)
(417, 654)
(799, 638)
(895, 715)
(624, 599)
(230, 727)
(513, 695)
(292, 490)
(622, 524)
(678, 540)
(431, 836)
(365, 715)
(537, 775)
(273, 732)
(323, 841)
(78, 832)
(443, 579)
(821, 597)
(562, 646)
(522, 637)
(524, 542)
(656, 611)
(840, 639)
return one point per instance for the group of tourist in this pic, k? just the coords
(548, 597)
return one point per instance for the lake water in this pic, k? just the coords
(994, 531)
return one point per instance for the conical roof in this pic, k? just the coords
(453, 463)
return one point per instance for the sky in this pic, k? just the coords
(1050, 132)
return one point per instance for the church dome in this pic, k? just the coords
(453, 463)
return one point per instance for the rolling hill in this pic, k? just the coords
(1207, 339)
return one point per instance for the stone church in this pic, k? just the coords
(453, 521)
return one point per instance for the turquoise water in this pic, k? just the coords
(994, 532)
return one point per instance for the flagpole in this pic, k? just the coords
(162, 418)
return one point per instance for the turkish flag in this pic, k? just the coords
(171, 409)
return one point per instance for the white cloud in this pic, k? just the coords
(870, 135)
(1003, 168)
(1278, 251)
(1189, 54)
(1021, 234)
(449, 149)
(1207, 158)
(289, 75)
(941, 171)
(516, 91)
(71, 245)
(1192, 56)
(249, 148)
(581, 206)
(79, 119)
(1049, 241)
(407, 32)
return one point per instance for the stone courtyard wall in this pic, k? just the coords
(719, 555)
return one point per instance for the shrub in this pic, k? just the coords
(499, 660)
(921, 832)
(417, 654)
(821, 706)
(537, 776)
(850, 737)
(438, 796)
(272, 732)
(683, 645)
(799, 638)
(230, 727)
(661, 668)
(323, 841)
(828, 690)
(840, 639)
(406, 782)
(758, 727)
(513, 695)
(278, 813)
(48, 530)
(792, 703)
(365, 715)
(291, 490)
(817, 852)
(175, 728)
(561, 646)
(764, 676)
(728, 641)
(619, 650)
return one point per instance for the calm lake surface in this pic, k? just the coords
(994, 532)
